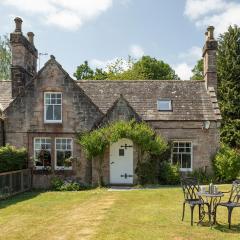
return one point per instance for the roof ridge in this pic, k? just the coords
(149, 80)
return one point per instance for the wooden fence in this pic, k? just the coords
(14, 182)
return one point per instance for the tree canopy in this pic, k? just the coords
(143, 69)
(5, 58)
(198, 71)
(228, 73)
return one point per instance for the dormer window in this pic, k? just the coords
(52, 107)
(164, 105)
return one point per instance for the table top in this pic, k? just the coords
(207, 194)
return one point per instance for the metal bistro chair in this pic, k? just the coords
(232, 202)
(190, 188)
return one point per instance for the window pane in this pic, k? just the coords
(38, 160)
(188, 144)
(188, 150)
(186, 161)
(60, 158)
(181, 144)
(53, 101)
(49, 112)
(57, 112)
(121, 152)
(63, 158)
(176, 158)
(181, 150)
(43, 158)
(175, 149)
(164, 105)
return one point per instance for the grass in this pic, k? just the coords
(100, 214)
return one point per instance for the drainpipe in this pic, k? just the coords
(3, 132)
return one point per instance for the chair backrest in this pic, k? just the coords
(190, 188)
(235, 192)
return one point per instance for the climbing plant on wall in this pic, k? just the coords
(148, 143)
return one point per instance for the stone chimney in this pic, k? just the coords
(209, 59)
(24, 58)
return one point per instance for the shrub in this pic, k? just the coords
(57, 184)
(169, 174)
(227, 164)
(203, 176)
(12, 158)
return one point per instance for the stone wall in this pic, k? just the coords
(205, 142)
(25, 119)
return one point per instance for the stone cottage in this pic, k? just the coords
(43, 111)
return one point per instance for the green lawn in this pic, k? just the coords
(100, 214)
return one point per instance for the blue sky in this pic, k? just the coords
(102, 30)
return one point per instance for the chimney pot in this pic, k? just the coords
(31, 37)
(210, 30)
(18, 23)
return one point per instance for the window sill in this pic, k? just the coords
(52, 122)
(62, 169)
(185, 169)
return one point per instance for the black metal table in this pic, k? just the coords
(212, 199)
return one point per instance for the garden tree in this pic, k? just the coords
(151, 68)
(5, 58)
(228, 72)
(84, 72)
(95, 142)
(198, 71)
(146, 68)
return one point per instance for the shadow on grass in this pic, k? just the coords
(18, 198)
(224, 228)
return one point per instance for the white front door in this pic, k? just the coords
(121, 162)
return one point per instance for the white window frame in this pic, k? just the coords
(45, 109)
(55, 150)
(169, 101)
(184, 141)
(34, 153)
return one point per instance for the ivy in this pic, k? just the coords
(148, 143)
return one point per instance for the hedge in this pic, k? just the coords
(12, 158)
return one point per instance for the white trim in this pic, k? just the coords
(55, 153)
(34, 156)
(45, 109)
(184, 141)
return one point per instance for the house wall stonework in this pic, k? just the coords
(24, 119)
(205, 142)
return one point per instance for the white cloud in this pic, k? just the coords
(219, 13)
(68, 14)
(104, 64)
(191, 55)
(197, 8)
(183, 70)
(136, 51)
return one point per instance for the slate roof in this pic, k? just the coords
(190, 99)
(5, 94)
